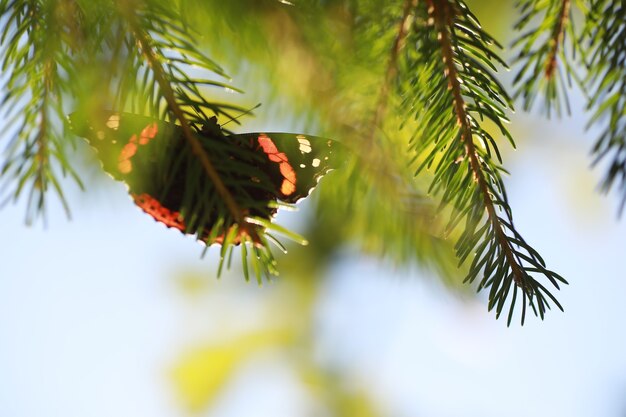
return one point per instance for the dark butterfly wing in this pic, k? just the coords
(153, 159)
(295, 163)
(142, 153)
(129, 146)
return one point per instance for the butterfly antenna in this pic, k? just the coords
(242, 114)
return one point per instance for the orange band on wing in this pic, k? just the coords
(288, 186)
(124, 165)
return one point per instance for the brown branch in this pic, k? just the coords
(372, 154)
(41, 139)
(387, 182)
(442, 14)
(392, 66)
(196, 146)
(558, 32)
(41, 156)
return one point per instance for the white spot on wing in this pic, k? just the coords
(302, 166)
(113, 122)
(316, 163)
(305, 145)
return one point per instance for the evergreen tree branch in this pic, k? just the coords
(96, 60)
(36, 75)
(441, 12)
(605, 34)
(372, 203)
(392, 65)
(456, 93)
(558, 33)
(42, 157)
(543, 58)
(389, 186)
(143, 40)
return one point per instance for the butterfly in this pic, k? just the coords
(166, 180)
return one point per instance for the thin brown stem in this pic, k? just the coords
(42, 146)
(558, 32)
(372, 152)
(41, 139)
(442, 14)
(392, 66)
(196, 147)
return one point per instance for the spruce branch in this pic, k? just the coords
(456, 94)
(605, 34)
(125, 56)
(373, 152)
(442, 14)
(373, 203)
(546, 65)
(143, 40)
(392, 66)
(390, 187)
(558, 33)
(37, 74)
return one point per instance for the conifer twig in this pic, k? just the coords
(392, 65)
(372, 149)
(605, 37)
(41, 138)
(543, 55)
(442, 13)
(198, 150)
(558, 33)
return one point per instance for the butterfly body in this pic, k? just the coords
(166, 180)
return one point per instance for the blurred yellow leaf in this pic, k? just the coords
(193, 284)
(200, 374)
(355, 404)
